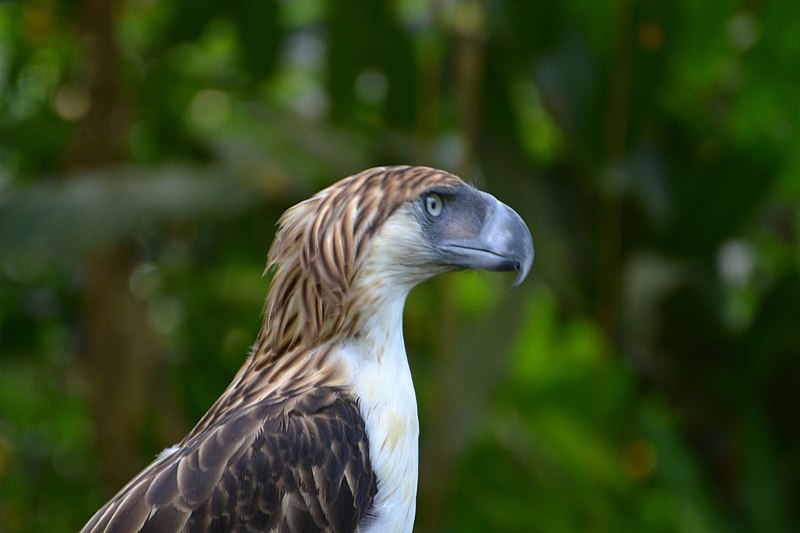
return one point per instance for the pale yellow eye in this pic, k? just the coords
(434, 204)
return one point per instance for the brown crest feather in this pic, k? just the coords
(320, 244)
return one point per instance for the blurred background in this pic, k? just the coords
(647, 376)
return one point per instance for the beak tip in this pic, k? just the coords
(524, 265)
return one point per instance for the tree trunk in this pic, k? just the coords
(119, 352)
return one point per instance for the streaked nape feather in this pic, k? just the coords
(321, 243)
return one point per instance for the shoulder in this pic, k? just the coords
(298, 463)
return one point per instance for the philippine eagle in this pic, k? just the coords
(318, 430)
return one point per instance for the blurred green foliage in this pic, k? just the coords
(645, 379)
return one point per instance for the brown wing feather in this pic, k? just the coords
(258, 469)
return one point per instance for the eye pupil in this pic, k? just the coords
(434, 204)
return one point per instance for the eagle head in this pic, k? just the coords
(382, 231)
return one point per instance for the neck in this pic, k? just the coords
(370, 362)
(380, 379)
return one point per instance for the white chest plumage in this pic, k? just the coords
(381, 380)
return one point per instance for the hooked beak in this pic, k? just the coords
(503, 243)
